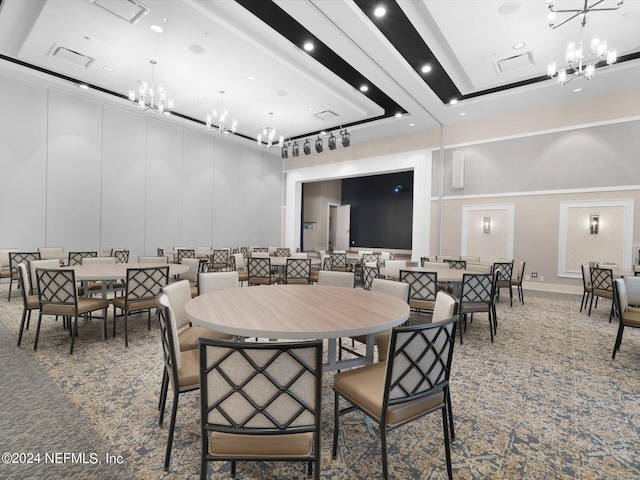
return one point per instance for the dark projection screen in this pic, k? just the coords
(381, 210)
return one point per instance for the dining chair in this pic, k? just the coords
(370, 259)
(283, 252)
(180, 366)
(238, 264)
(395, 264)
(96, 287)
(399, 290)
(442, 258)
(16, 258)
(193, 265)
(336, 279)
(154, 260)
(219, 259)
(75, 258)
(517, 282)
(58, 295)
(29, 302)
(587, 290)
(142, 287)
(106, 252)
(424, 261)
(298, 271)
(122, 256)
(260, 401)
(477, 295)
(339, 262)
(5, 267)
(505, 270)
(469, 258)
(260, 272)
(212, 281)
(423, 289)
(368, 274)
(203, 252)
(446, 306)
(602, 286)
(412, 383)
(47, 253)
(185, 253)
(259, 254)
(457, 264)
(35, 264)
(299, 255)
(160, 252)
(629, 316)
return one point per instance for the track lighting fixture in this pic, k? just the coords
(295, 149)
(332, 142)
(319, 147)
(307, 147)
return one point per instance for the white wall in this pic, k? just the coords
(83, 175)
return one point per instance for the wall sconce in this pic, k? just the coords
(594, 224)
(486, 225)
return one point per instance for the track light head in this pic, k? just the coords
(306, 147)
(295, 149)
(319, 147)
(346, 138)
(332, 142)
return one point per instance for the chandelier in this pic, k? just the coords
(151, 98)
(222, 118)
(269, 134)
(581, 62)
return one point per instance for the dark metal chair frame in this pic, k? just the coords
(283, 252)
(477, 295)
(185, 253)
(20, 257)
(160, 252)
(457, 264)
(57, 290)
(219, 260)
(170, 351)
(28, 307)
(505, 270)
(517, 282)
(586, 285)
(339, 262)
(621, 311)
(423, 287)
(432, 366)
(75, 258)
(424, 261)
(602, 286)
(298, 269)
(122, 256)
(368, 274)
(259, 270)
(142, 287)
(228, 382)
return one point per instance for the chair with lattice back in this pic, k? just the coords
(219, 259)
(505, 270)
(339, 262)
(298, 271)
(122, 256)
(370, 259)
(413, 382)
(456, 264)
(368, 274)
(185, 253)
(423, 289)
(16, 258)
(477, 296)
(517, 282)
(283, 252)
(75, 258)
(142, 287)
(29, 302)
(259, 270)
(602, 286)
(58, 295)
(260, 401)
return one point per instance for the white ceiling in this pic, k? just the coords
(210, 46)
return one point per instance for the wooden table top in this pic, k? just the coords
(297, 311)
(444, 274)
(118, 271)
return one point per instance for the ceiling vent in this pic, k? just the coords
(518, 62)
(69, 56)
(129, 10)
(326, 115)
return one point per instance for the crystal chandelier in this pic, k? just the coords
(151, 98)
(222, 118)
(269, 134)
(581, 62)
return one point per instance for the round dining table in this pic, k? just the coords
(450, 275)
(301, 312)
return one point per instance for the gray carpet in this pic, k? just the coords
(545, 400)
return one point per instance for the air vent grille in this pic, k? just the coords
(69, 56)
(128, 10)
(517, 62)
(326, 115)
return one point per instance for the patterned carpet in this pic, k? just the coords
(544, 401)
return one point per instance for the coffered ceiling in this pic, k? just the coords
(252, 50)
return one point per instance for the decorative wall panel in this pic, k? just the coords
(498, 243)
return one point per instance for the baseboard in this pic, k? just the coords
(552, 287)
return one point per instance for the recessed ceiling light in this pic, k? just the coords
(411, 124)
(380, 11)
(311, 109)
(108, 69)
(308, 46)
(453, 101)
(84, 86)
(399, 114)
(462, 114)
(364, 88)
(577, 90)
(157, 28)
(426, 68)
(164, 19)
(518, 45)
(251, 78)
